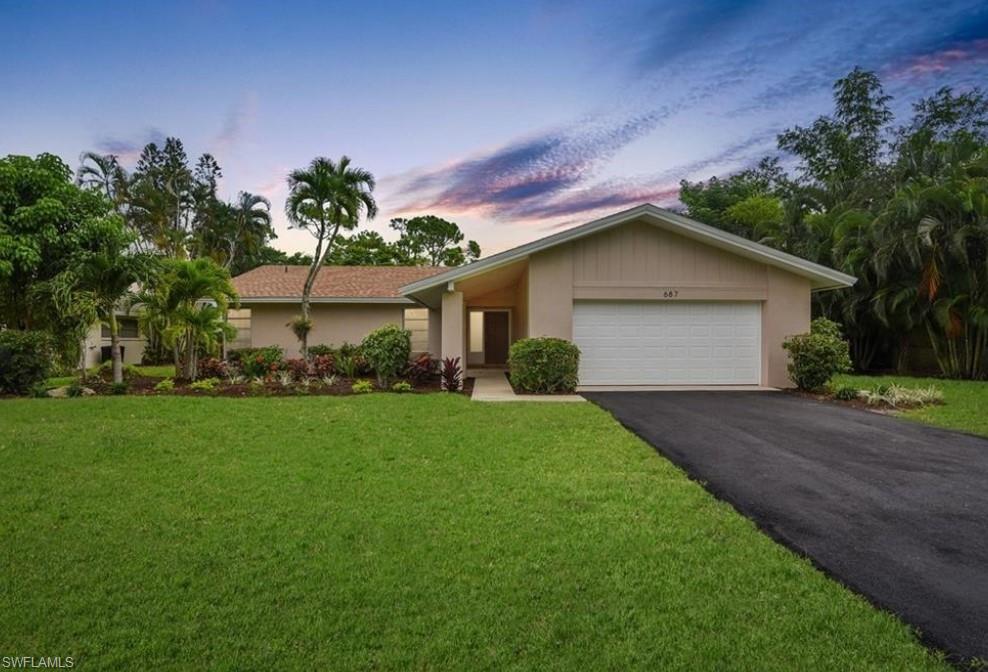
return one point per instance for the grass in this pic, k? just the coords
(964, 407)
(393, 532)
(157, 371)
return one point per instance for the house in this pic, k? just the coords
(96, 345)
(650, 297)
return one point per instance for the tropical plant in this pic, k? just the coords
(101, 277)
(165, 386)
(362, 387)
(451, 375)
(401, 386)
(198, 293)
(422, 368)
(205, 384)
(324, 198)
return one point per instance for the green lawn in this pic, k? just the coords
(393, 532)
(965, 404)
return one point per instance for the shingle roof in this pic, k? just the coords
(336, 282)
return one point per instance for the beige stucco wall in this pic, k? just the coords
(133, 348)
(454, 327)
(332, 323)
(639, 261)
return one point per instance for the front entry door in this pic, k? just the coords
(496, 337)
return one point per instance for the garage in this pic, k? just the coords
(668, 342)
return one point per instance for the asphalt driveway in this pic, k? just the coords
(896, 510)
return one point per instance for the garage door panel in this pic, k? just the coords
(668, 343)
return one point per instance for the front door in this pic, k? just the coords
(495, 337)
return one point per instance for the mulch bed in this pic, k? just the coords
(145, 386)
(854, 403)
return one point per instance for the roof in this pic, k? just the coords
(343, 284)
(821, 277)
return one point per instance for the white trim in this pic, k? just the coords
(326, 299)
(823, 277)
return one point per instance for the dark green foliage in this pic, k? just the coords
(846, 393)
(257, 362)
(25, 360)
(818, 356)
(387, 350)
(118, 388)
(544, 365)
(320, 350)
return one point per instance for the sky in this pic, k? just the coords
(514, 119)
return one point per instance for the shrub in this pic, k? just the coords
(106, 371)
(321, 350)
(258, 361)
(544, 365)
(895, 395)
(205, 384)
(118, 388)
(165, 386)
(346, 366)
(329, 380)
(75, 389)
(25, 360)
(401, 386)
(322, 365)
(422, 368)
(362, 387)
(38, 391)
(818, 356)
(356, 355)
(846, 393)
(387, 350)
(284, 378)
(451, 376)
(297, 368)
(213, 367)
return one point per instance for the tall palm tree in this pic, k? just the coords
(252, 225)
(103, 173)
(325, 197)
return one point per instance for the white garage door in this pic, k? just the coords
(668, 343)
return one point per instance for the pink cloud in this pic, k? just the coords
(938, 62)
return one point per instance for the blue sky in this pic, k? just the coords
(510, 118)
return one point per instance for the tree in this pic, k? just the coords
(103, 173)
(710, 201)
(433, 240)
(191, 298)
(42, 217)
(101, 277)
(232, 232)
(366, 248)
(325, 197)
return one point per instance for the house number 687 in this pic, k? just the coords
(670, 293)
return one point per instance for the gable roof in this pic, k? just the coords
(334, 284)
(821, 277)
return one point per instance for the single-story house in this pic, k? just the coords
(96, 345)
(650, 297)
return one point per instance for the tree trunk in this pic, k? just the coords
(310, 279)
(115, 355)
(190, 354)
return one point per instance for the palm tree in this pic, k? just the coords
(252, 225)
(103, 173)
(325, 197)
(198, 292)
(101, 278)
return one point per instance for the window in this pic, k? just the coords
(417, 322)
(126, 326)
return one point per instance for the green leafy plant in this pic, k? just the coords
(204, 384)
(362, 387)
(347, 366)
(818, 356)
(544, 365)
(321, 350)
(75, 389)
(39, 391)
(106, 371)
(401, 386)
(165, 386)
(846, 393)
(422, 368)
(118, 388)
(329, 380)
(25, 360)
(255, 362)
(387, 350)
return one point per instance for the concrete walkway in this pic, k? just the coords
(492, 385)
